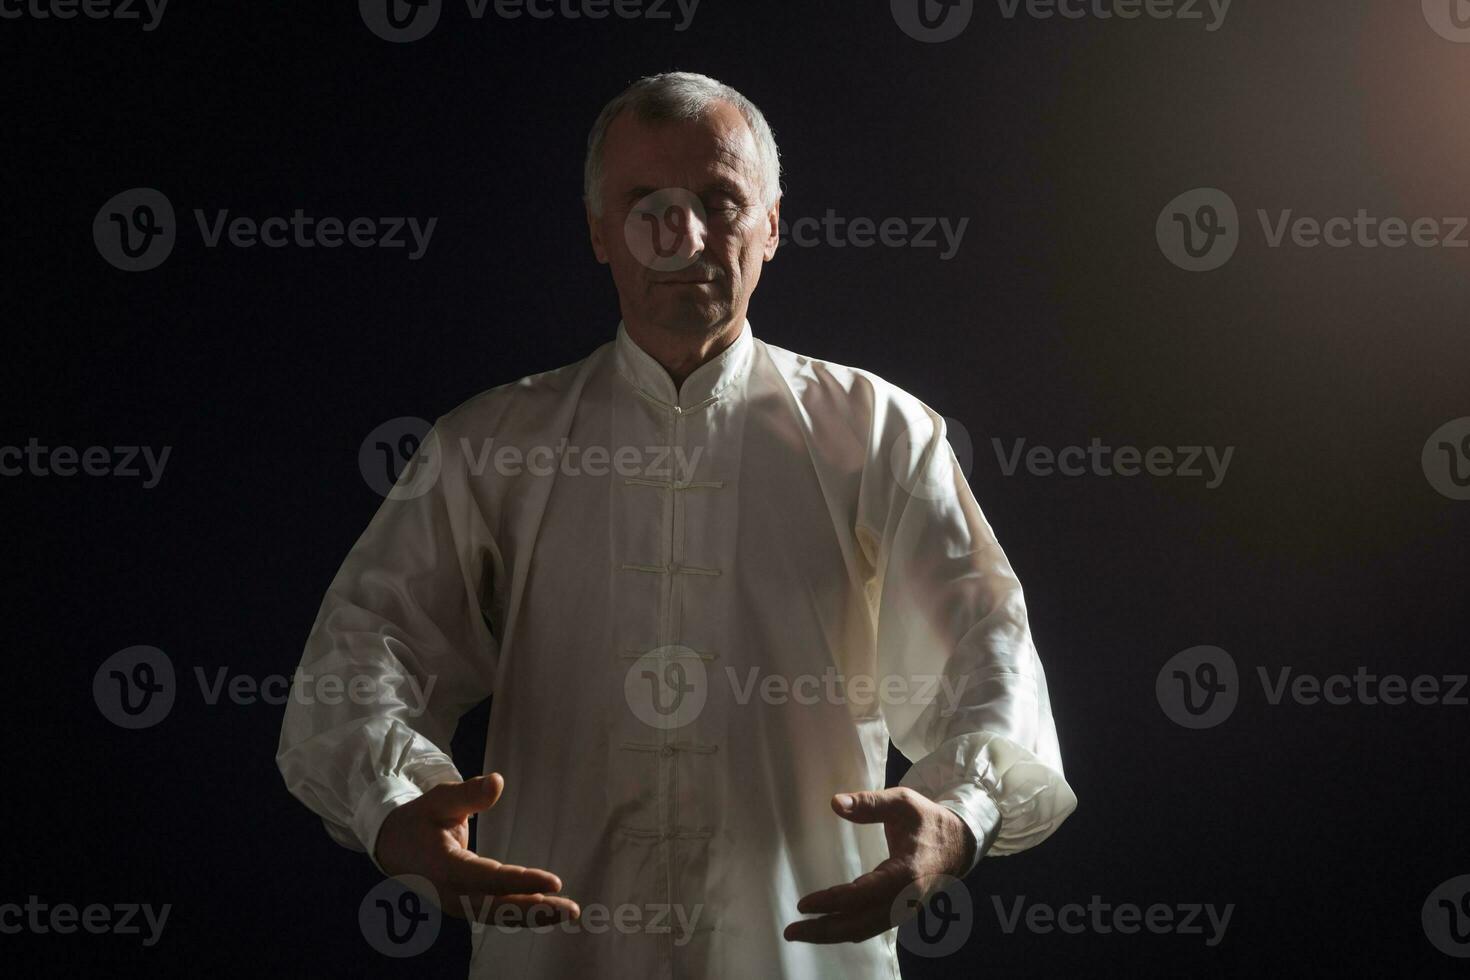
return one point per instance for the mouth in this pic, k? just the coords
(687, 279)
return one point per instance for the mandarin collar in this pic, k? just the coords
(706, 382)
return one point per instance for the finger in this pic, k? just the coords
(869, 806)
(453, 802)
(468, 872)
(515, 911)
(881, 885)
(846, 927)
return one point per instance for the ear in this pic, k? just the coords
(594, 230)
(773, 230)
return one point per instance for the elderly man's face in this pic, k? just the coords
(676, 268)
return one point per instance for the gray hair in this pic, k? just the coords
(679, 96)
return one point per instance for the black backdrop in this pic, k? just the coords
(1326, 548)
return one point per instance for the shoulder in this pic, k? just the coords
(523, 403)
(861, 394)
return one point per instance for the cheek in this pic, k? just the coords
(742, 245)
(753, 250)
(625, 265)
(612, 237)
(628, 272)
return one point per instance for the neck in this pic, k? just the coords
(682, 352)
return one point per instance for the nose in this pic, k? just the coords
(668, 230)
(694, 231)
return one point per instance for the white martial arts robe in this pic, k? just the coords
(792, 534)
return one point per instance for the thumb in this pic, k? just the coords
(460, 800)
(870, 806)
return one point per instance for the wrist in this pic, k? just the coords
(981, 820)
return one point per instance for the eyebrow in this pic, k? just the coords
(719, 185)
(724, 186)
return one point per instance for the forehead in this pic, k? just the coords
(719, 145)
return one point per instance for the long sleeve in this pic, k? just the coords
(952, 624)
(398, 652)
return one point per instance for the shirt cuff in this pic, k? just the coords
(385, 796)
(975, 807)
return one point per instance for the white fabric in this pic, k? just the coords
(825, 526)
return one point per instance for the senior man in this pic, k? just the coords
(706, 580)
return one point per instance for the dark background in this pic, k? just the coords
(1326, 547)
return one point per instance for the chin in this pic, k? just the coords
(699, 318)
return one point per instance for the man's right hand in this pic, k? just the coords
(430, 837)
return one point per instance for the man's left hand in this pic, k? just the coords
(924, 839)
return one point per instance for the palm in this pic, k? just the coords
(924, 840)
